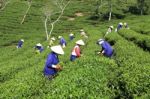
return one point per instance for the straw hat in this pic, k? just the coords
(38, 44)
(57, 49)
(59, 37)
(121, 23)
(100, 41)
(53, 38)
(22, 40)
(71, 34)
(125, 23)
(80, 42)
(111, 27)
(81, 30)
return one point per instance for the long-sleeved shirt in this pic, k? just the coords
(62, 42)
(119, 27)
(107, 49)
(20, 43)
(71, 37)
(76, 51)
(52, 59)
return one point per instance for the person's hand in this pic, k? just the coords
(58, 67)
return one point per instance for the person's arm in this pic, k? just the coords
(103, 48)
(49, 62)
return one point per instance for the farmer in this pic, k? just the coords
(119, 26)
(39, 48)
(76, 52)
(83, 34)
(126, 25)
(110, 28)
(62, 41)
(20, 43)
(51, 42)
(52, 63)
(71, 36)
(107, 50)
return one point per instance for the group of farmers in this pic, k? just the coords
(120, 26)
(52, 62)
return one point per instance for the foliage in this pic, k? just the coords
(141, 40)
(132, 73)
(126, 75)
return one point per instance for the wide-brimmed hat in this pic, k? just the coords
(71, 34)
(111, 27)
(80, 42)
(39, 44)
(59, 37)
(125, 23)
(81, 30)
(100, 41)
(121, 23)
(53, 38)
(57, 49)
(22, 40)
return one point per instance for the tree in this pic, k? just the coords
(50, 10)
(110, 9)
(141, 5)
(29, 2)
(3, 4)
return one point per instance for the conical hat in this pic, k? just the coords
(59, 37)
(80, 42)
(38, 44)
(125, 23)
(111, 27)
(22, 40)
(71, 34)
(53, 38)
(57, 49)
(81, 30)
(121, 23)
(100, 41)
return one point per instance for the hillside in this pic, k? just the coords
(125, 76)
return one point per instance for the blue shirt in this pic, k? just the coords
(52, 59)
(71, 37)
(40, 48)
(20, 43)
(108, 51)
(119, 27)
(62, 41)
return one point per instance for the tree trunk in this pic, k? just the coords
(29, 5)
(2, 6)
(53, 23)
(52, 27)
(45, 24)
(110, 10)
(141, 11)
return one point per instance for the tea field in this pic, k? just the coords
(125, 76)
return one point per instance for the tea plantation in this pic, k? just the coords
(125, 76)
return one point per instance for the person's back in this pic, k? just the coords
(119, 26)
(107, 49)
(51, 59)
(20, 43)
(39, 48)
(71, 36)
(63, 42)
